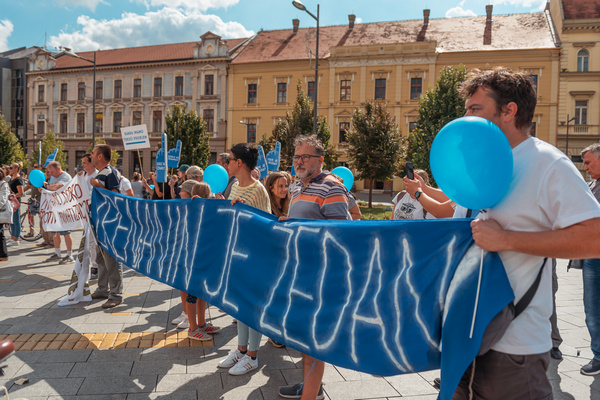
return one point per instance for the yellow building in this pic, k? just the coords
(390, 62)
(578, 26)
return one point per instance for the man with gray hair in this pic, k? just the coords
(591, 268)
(195, 173)
(59, 178)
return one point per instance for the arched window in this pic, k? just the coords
(583, 57)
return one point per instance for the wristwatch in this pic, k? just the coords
(418, 194)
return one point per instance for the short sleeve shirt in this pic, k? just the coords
(109, 178)
(63, 178)
(323, 198)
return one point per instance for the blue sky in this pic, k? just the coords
(104, 24)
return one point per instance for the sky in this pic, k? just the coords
(85, 25)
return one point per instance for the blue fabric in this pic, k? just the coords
(591, 302)
(15, 227)
(382, 297)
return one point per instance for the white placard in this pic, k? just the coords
(66, 208)
(135, 137)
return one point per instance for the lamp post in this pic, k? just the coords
(247, 124)
(69, 52)
(298, 4)
(567, 138)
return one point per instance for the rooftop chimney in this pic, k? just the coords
(351, 19)
(296, 24)
(426, 16)
(421, 35)
(487, 33)
(488, 11)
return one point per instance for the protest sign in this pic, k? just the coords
(261, 164)
(161, 160)
(173, 156)
(66, 208)
(135, 137)
(51, 157)
(273, 157)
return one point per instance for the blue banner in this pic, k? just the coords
(51, 157)
(261, 164)
(381, 297)
(273, 157)
(161, 160)
(173, 156)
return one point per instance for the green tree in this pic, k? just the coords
(267, 143)
(188, 127)
(49, 143)
(375, 144)
(115, 154)
(10, 148)
(300, 122)
(437, 107)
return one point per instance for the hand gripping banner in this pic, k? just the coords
(317, 286)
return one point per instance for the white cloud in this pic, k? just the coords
(358, 20)
(167, 25)
(535, 5)
(201, 5)
(6, 28)
(91, 4)
(459, 12)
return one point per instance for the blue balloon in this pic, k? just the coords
(151, 187)
(216, 177)
(346, 175)
(471, 161)
(37, 178)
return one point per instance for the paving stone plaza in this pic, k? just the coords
(133, 352)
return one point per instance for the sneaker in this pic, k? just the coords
(12, 243)
(53, 258)
(275, 343)
(556, 353)
(295, 392)
(67, 260)
(210, 328)
(198, 335)
(110, 303)
(437, 383)
(591, 368)
(178, 320)
(231, 359)
(245, 364)
(185, 324)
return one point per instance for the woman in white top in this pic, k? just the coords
(406, 206)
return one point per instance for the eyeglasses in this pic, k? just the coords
(231, 159)
(36, 166)
(304, 157)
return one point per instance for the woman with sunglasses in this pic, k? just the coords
(16, 186)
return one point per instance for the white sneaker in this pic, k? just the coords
(246, 364)
(12, 243)
(231, 359)
(178, 320)
(185, 324)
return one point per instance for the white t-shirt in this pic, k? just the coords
(546, 193)
(408, 208)
(88, 178)
(125, 185)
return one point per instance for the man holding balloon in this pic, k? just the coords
(536, 205)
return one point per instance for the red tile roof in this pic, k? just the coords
(516, 31)
(581, 9)
(129, 55)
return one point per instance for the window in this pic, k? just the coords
(80, 122)
(157, 87)
(251, 132)
(534, 80)
(209, 118)
(81, 91)
(40, 127)
(153, 160)
(281, 93)
(344, 128)
(416, 86)
(380, 89)
(41, 90)
(118, 89)
(345, 90)
(252, 93)
(98, 122)
(179, 86)
(99, 91)
(117, 118)
(78, 156)
(157, 121)
(137, 118)
(63, 92)
(412, 126)
(582, 60)
(209, 85)
(63, 123)
(532, 129)
(310, 92)
(581, 109)
(137, 87)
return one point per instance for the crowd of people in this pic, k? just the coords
(549, 212)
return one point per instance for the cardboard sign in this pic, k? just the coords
(161, 161)
(65, 209)
(261, 164)
(51, 157)
(173, 156)
(273, 157)
(135, 137)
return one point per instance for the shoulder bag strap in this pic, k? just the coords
(526, 299)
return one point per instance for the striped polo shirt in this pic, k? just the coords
(323, 198)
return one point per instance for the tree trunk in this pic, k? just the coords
(371, 193)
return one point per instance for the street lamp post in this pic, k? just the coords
(298, 4)
(567, 137)
(68, 52)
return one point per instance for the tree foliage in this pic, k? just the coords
(49, 143)
(114, 156)
(300, 122)
(187, 126)
(375, 145)
(437, 107)
(10, 147)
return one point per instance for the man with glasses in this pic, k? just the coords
(223, 161)
(316, 195)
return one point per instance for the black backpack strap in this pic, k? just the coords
(526, 299)
(469, 212)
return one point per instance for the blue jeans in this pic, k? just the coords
(591, 301)
(15, 227)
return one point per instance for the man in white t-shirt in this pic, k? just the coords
(125, 187)
(549, 211)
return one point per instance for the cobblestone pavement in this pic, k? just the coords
(133, 352)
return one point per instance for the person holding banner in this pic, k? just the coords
(59, 178)
(4, 192)
(110, 273)
(16, 186)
